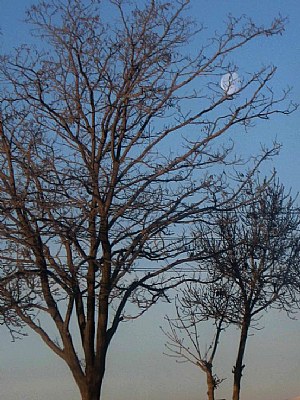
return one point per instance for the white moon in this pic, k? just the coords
(230, 83)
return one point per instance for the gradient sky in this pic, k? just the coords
(137, 368)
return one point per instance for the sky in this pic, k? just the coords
(137, 368)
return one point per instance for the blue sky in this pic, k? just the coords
(137, 369)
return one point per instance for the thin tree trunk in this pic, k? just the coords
(210, 384)
(238, 368)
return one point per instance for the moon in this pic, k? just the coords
(230, 83)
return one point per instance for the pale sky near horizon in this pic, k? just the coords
(137, 368)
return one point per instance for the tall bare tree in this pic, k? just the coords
(106, 149)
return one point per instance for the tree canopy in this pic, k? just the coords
(107, 133)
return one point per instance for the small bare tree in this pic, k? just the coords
(106, 148)
(251, 253)
(196, 305)
(255, 248)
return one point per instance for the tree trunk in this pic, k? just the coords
(238, 368)
(210, 384)
(92, 387)
(90, 395)
(94, 375)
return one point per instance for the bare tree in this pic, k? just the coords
(106, 149)
(196, 305)
(251, 264)
(255, 249)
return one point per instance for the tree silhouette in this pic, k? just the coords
(251, 258)
(106, 149)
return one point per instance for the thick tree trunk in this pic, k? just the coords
(92, 387)
(238, 368)
(96, 350)
(90, 394)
